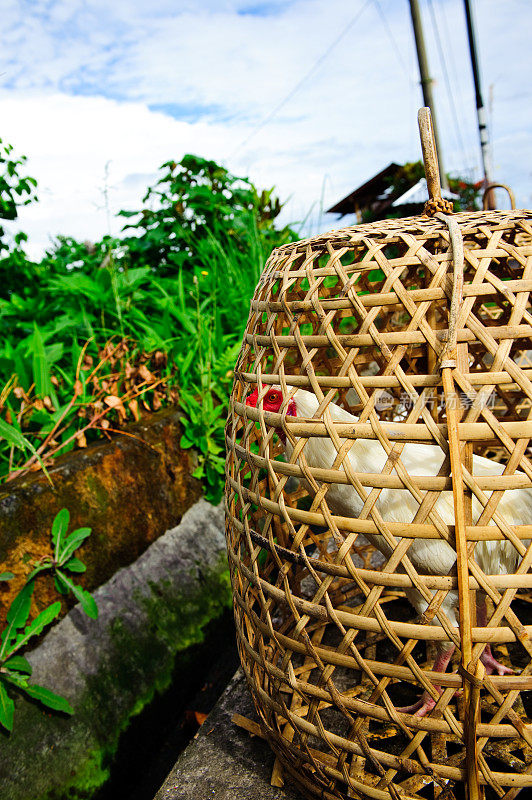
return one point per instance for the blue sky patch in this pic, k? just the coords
(189, 112)
(262, 9)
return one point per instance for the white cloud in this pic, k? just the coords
(80, 79)
(69, 154)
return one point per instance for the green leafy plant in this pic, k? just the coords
(15, 669)
(14, 437)
(64, 561)
(194, 200)
(204, 429)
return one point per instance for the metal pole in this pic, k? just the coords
(485, 148)
(426, 81)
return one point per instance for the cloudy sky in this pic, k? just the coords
(312, 96)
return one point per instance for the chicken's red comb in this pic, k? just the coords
(254, 396)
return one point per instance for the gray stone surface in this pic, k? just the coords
(224, 761)
(110, 667)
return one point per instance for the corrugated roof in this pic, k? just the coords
(367, 193)
(419, 194)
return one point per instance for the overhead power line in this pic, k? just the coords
(392, 38)
(485, 146)
(457, 75)
(302, 80)
(450, 95)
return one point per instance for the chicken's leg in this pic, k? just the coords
(426, 703)
(487, 657)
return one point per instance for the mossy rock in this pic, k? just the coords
(111, 667)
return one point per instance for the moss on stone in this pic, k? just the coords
(98, 492)
(174, 623)
(79, 749)
(88, 778)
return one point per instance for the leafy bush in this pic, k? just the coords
(15, 190)
(198, 205)
(94, 335)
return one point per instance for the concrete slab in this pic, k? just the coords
(224, 761)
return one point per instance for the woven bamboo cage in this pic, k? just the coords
(363, 318)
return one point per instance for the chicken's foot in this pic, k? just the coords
(487, 657)
(426, 702)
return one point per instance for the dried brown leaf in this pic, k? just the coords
(80, 439)
(112, 401)
(134, 408)
(195, 717)
(145, 374)
(115, 402)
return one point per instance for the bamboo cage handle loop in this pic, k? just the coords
(491, 186)
(436, 203)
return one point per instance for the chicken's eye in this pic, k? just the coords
(272, 397)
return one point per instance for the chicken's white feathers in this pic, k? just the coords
(432, 556)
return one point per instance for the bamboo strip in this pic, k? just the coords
(450, 680)
(471, 699)
(500, 333)
(404, 530)
(473, 432)
(367, 265)
(384, 381)
(377, 479)
(391, 298)
(388, 579)
(387, 759)
(410, 630)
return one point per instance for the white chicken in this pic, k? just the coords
(429, 556)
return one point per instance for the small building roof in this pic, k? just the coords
(368, 193)
(418, 194)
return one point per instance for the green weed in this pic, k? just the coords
(15, 669)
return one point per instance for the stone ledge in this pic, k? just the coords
(111, 667)
(224, 761)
